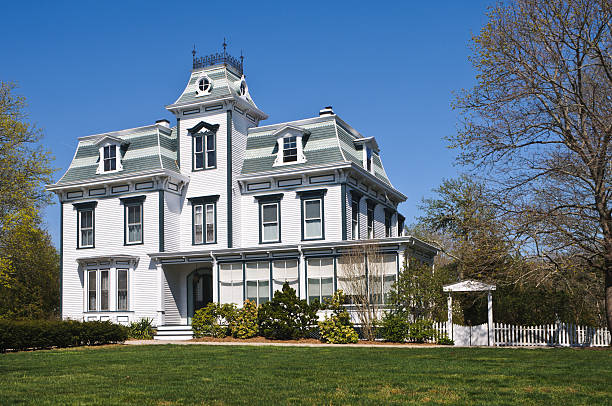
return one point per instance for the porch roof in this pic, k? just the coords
(468, 286)
(277, 250)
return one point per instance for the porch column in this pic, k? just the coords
(490, 318)
(215, 279)
(160, 290)
(449, 326)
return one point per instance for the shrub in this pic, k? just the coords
(395, 327)
(337, 328)
(444, 340)
(245, 323)
(38, 334)
(214, 320)
(142, 329)
(286, 316)
(422, 331)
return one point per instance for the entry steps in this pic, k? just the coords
(176, 333)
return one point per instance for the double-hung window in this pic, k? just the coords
(133, 218)
(290, 150)
(85, 224)
(98, 290)
(269, 218)
(110, 158)
(320, 279)
(204, 151)
(258, 281)
(388, 228)
(204, 219)
(92, 290)
(230, 283)
(382, 276)
(371, 220)
(122, 289)
(312, 214)
(355, 216)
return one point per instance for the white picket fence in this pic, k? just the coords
(558, 334)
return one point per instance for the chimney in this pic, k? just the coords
(163, 122)
(327, 111)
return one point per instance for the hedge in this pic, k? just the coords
(39, 334)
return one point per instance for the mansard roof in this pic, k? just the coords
(331, 141)
(144, 149)
(225, 85)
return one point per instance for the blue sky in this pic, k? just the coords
(389, 71)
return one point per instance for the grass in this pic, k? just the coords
(224, 375)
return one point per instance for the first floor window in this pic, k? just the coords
(92, 289)
(122, 289)
(258, 281)
(204, 223)
(269, 227)
(351, 276)
(285, 271)
(134, 223)
(382, 276)
(231, 283)
(320, 279)
(313, 218)
(86, 228)
(104, 285)
(370, 221)
(355, 218)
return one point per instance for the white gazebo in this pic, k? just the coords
(471, 286)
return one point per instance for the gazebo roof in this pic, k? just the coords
(468, 286)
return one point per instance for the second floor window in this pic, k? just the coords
(290, 151)
(270, 224)
(388, 228)
(204, 223)
(355, 217)
(86, 228)
(133, 227)
(370, 221)
(204, 151)
(313, 219)
(110, 158)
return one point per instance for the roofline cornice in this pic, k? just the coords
(119, 178)
(233, 98)
(371, 177)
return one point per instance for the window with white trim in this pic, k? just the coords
(104, 290)
(86, 228)
(204, 151)
(204, 223)
(270, 222)
(110, 157)
(258, 281)
(98, 290)
(355, 217)
(320, 279)
(351, 276)
(133, 226)
(368, 162)
(231, 283)
(388, 224)
(92, 290)
(204, 86)
(370, 220)
(313, 218)
(122, 289)
(290, 150)
(285, 270)
(382, 276)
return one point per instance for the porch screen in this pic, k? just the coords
(351, 277)
(230, 283)
(320, 279)
(382, 277)
(285, 271)
(258, 281)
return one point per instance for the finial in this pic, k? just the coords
(193, 52)
(224, 46)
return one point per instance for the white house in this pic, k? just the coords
(159, 220)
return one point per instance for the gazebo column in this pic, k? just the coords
(449, 327)
(490, 318)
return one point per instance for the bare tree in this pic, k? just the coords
(364, 278)
(538, 123)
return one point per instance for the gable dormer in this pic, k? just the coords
(369, 147)
(111, 150)
(290, 142)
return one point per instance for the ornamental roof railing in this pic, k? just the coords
(218, 58)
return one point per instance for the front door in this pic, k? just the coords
(199, 291)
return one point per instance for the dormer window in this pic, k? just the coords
(368, 162)
(203, 86)
(290, 149)
(369, 146)
(243, 88)
(110, 158)
(290, 145)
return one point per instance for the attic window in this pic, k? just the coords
(110, 158)
(290, 149)
(204, 86)
(243, 88)
(368, 160)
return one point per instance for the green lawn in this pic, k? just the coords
(173, 374)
